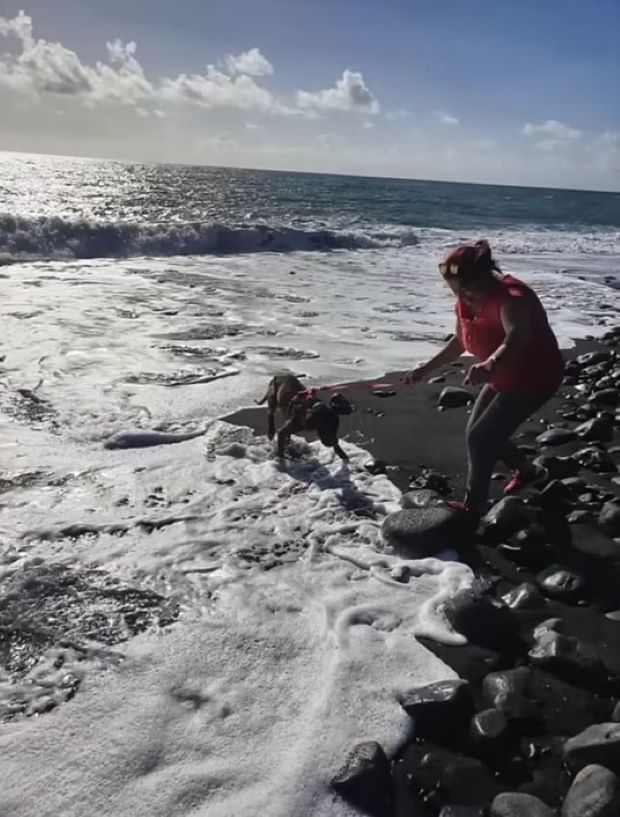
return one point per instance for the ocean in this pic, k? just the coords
(160, 298)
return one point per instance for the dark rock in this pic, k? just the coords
(575, 517)
(595, 793)
(524, 597)
(560, 583)
(519, 805)
(439, 379)
(461, 811)
(556, 436)
(609, 518)
(489, 727)
(455, 397)
(558, 467)
(595, 460)
(592, 358)
(431, 481)
(508, 691)
(376, 467)
(423, 531)
(568, 657)
(365, 780)
(507, 517)
(438, 709)
(460, 779)
(592, 541)
(615, 715)
(596, 430)
(605, 397)
(575, 484)
(599, 743)
(423, 498)
(555, 494)
(471, 613)
(497, 685)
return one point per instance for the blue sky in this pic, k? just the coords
(466, 89)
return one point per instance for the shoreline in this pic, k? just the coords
(469, 748)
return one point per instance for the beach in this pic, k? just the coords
(189, 626)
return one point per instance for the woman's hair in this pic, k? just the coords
(473, 262)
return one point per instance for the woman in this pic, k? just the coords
(502, 323)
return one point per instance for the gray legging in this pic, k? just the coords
(494, 419)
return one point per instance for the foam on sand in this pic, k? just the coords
(296, 641)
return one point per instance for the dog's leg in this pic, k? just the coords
(284, 435)
(343, 456)
(271, 424)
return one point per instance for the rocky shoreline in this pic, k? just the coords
(533, 725)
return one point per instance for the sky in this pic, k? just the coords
(467, 90)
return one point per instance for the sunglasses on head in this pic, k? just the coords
(448, 270)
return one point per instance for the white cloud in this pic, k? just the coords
(484, 144)
(446, 118)
(400, 113)
(251, 62)
(552, 129)
(350, 93)
(49, 68)
(217, 90)
(368, 125)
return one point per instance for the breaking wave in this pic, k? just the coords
(54, 237)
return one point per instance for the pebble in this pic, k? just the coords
(422, 498)
(609, 518)
(595, 460)
(519, 805)
(508, 516)
(524, 596)
(489, 726)
(365, 779)
(556, 436)
(595, 792)
(597, 429)
(568, 657)
(438, 708)
(560, 583)
(455, 397)
(471, 613)
(599, 743)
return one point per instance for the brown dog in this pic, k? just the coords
(304, 412)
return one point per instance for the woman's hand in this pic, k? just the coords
(478, 374)
(415, 375)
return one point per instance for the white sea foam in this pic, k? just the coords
(295, 641)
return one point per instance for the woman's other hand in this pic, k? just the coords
(478, 374)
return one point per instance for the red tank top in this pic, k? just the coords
(540, 366)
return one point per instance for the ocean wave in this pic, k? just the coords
(54, 237)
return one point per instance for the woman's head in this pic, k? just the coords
(470, 266)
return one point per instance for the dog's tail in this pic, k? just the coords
(263, 401)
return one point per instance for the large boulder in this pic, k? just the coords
(516, 804)
(598, 744)
(455, 397)
(365, 780)
(595, 793)
(423, 531)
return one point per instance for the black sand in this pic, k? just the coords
(448, 767)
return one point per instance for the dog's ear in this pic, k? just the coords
(340, 404)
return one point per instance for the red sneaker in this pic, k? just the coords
(519, 480)
(469, 516)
